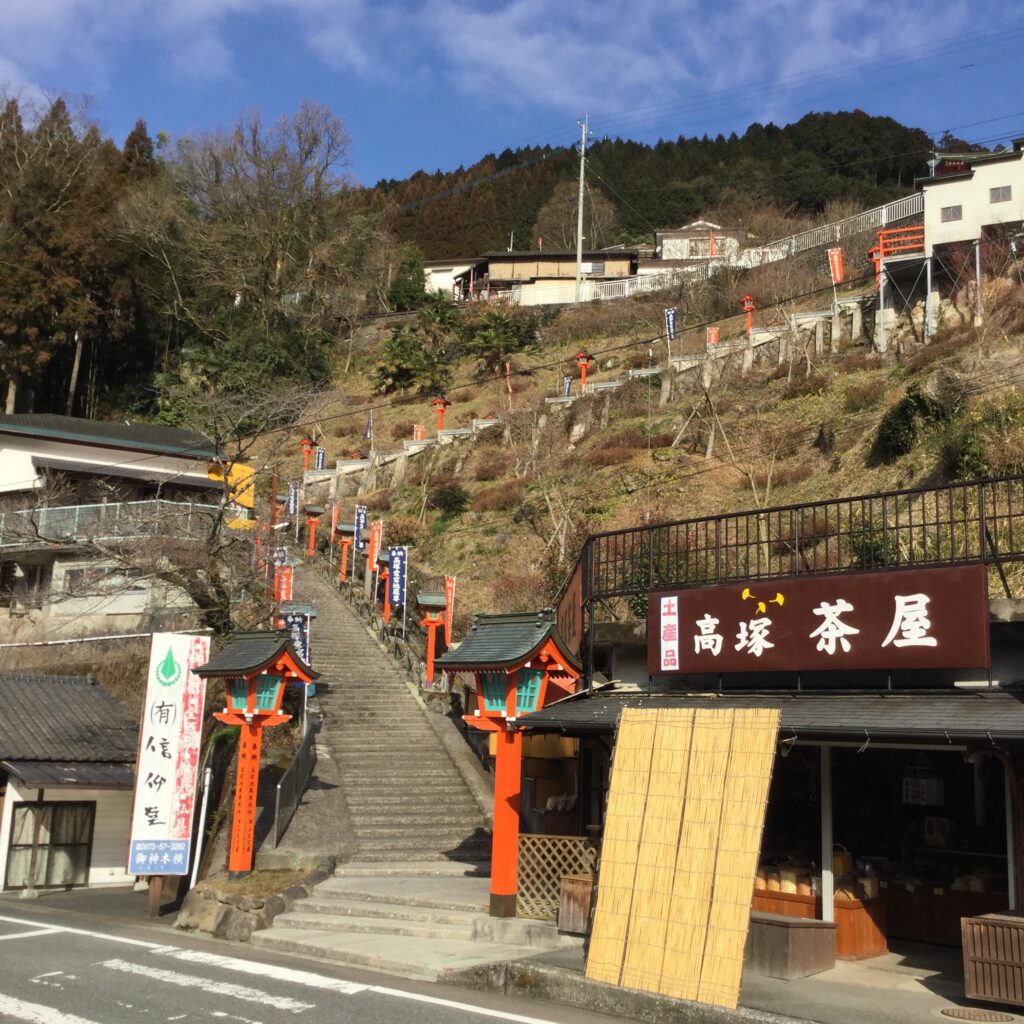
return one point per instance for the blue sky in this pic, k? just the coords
(432, 84)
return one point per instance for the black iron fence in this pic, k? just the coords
(293, 782)
(980, 521)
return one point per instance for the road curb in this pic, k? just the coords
(528, 978)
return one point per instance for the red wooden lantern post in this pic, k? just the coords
(255, 668)
(583, 360)
(307, 446)
(383, 576)
(875, 254)
(344, 542)
(440, 406)
(749, 305)
(434, 608)
(520, 662)
(313, 514)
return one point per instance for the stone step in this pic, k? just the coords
(374, 925)
(441, 816)
(419, 854)
(448, 889)
(340, 907)
(429, 869)
(425, 959)
(418, 835)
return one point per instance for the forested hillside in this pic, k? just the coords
(822, 158)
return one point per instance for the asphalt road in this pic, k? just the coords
(63, 968)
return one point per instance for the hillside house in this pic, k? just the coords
(973, 195)
(542, 278)
(66, 481)
(67, 756)
(700, 240)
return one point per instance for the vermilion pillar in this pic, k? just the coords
(583, 360)
(383, 576)
(749, 305)
(344, 543)
(243, 822)
(440, 406)
(505, 851)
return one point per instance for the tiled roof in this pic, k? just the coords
(248, 652)
(501, 640)
(943, 714)
(135, 436)
(62, 718)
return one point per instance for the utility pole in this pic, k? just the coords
(584, 130)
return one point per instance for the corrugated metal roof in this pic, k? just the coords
(136, 436)
(941, 714)
(43, 774)
(501, 640)
(62, 718)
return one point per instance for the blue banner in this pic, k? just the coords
(280, 556)
(360, 527)
(297, 625)
(670, 323)
(567, 386)
(397, 561)
(321, 456)
(293, 499)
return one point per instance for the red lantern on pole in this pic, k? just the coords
(307, 446)
(440, 405)
(433, 608)
(313, 514)
(583, 360)
(749, 305)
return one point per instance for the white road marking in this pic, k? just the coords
(289, 974)
(219, 988)
(48, 974)
(35, 1013)
(481, 1011)
(62, 930)
(29, 935)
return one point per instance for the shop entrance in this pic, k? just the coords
(919, 841)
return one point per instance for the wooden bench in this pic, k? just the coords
(785, 947)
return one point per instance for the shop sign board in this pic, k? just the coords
(168, 764)
(297, 625)
(907, 619)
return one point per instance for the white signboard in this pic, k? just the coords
(168, 765)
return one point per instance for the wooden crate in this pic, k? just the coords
(994, 957)
(574, 905)
(781, 946)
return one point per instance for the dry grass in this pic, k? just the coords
(501, 497)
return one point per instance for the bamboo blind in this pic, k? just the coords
(682, 836)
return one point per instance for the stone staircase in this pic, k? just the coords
(407, 798)
(419, 920)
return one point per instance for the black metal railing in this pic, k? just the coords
(981, 521)
(293, 782)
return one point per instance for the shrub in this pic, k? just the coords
(490, 466)
(609, 456)
(897, 432)
(962, 449)
(503, 496)
(799, 387)
(793, 473)
(402, 430)
(865, 395)
(379, 501)
(449, 498)
(404, 530)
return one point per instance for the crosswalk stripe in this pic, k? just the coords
(29, 935)
(219, 988)
(36, 1013)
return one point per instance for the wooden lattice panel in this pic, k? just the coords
(682, 835)
(543, 862)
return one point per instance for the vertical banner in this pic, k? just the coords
(713, 335)
(669, 634)
(360, 527)
(168, 766)
(397, 561)
(508, 377)
(321, 456)
(368, 433)
(449, 608)
(835, 265)
(297, 625)
(282, 583)
(280, 556)
(567, 386)
(335, 512)
(419, 432)
(376, 538)
(670, 324)
(293, 499)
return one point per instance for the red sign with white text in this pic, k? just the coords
(449, 607)
(835, 265)
(282, 583)
(376, 536)
(713, 335)
(908, 619)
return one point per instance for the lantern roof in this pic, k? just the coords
(505, 641)
(430, 600)
(248, 653)
(297, 608)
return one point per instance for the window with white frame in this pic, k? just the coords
(951, 213)
(1000, 194)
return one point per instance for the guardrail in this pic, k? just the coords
(292, 784)
(69, 523)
